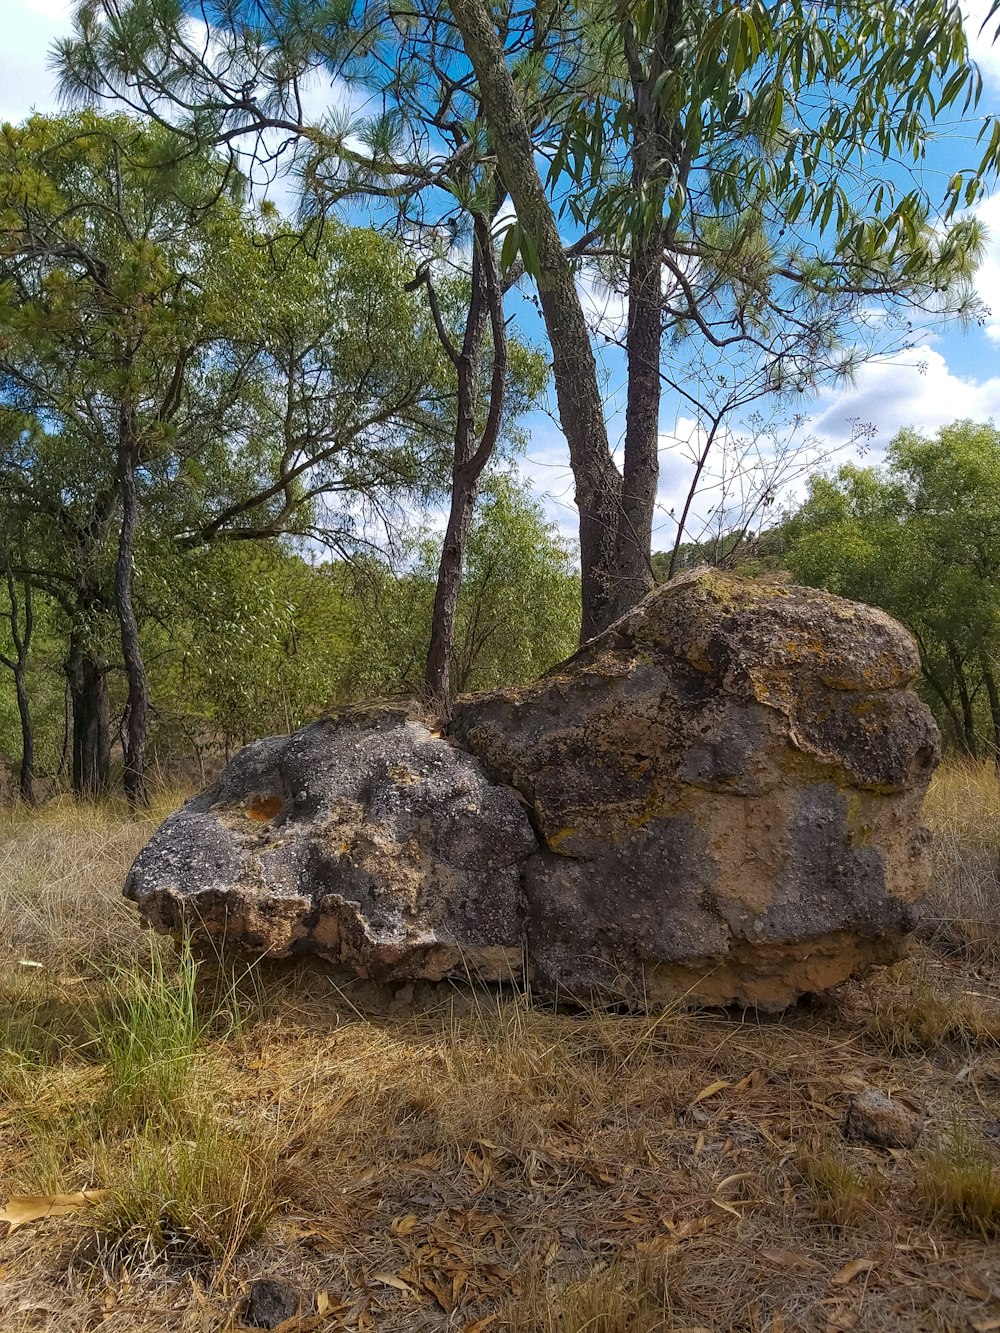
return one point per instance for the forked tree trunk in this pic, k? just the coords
(470, 457)
(965, 700)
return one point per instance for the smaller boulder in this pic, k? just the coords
(366, 838)
(271, 1301)
(874, 1118)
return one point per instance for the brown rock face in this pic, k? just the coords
(718, 798)
(727, 785)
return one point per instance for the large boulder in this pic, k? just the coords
(717, 799)
(727, 786)
(366, 838)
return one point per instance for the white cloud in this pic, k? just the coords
(29, 29)
(984, 51)
(916, 389)
(988, 275)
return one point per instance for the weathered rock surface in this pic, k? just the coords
(727, 784)
(366, 839)
(874, 1118)
(723, 792)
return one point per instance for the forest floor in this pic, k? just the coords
(483, 1163)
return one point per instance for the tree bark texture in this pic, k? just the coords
(581, 409)
(137, 718)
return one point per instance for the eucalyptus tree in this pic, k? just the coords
(741, 165)
(167, 358)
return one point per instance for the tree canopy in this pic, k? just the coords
(178, 370)
(749, 174)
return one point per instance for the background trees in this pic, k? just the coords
(179, 372)
(920, 537)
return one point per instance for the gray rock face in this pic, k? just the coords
(716, 799)
(368, 840)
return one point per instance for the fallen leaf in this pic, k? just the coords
(440, 1294)
(480, 1324)
(789, 1259)
(727, 1207)
(403, 1226)
(850, 1271)
(390, 1280)
(709, 1091)
(972, 1287)
(986, 1325)
(323, 1303)
(23, 1208)
(733, 1180)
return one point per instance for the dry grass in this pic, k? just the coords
(920, 1005)
(483, 1163)
(963, 810)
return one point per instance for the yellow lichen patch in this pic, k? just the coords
(262, 809)
(558, 837)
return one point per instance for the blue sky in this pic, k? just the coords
(951, 373)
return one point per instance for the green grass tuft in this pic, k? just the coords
(959, 1182)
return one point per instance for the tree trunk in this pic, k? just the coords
(26, 781)
(994, 697)
(437, 678)
(21, 639)
(942, 694)
(91, 721)
(64, 753)
(469, 458)
(965, 699)
(135, 669)
(581, 409)
(634, 570)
